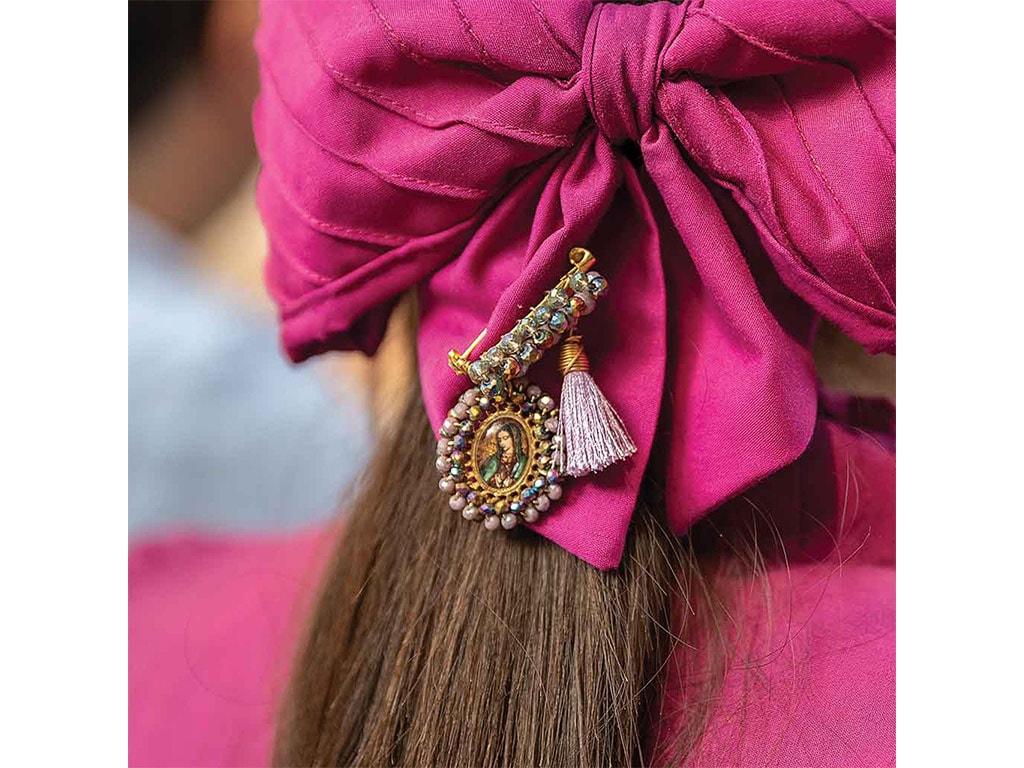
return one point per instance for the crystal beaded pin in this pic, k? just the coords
(505, 445)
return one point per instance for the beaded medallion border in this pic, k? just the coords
(497, 454)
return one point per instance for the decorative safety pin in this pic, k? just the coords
(505, 445)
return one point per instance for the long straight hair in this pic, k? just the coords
(436, 643)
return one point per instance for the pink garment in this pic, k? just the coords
(213, 622)
(464, 147)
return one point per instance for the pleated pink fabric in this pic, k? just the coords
(730, 162)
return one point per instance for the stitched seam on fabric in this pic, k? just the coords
(790, 56)
(485, 58)
(889, 33)
(573, 58)
(848, 220)
(370, 270)
(687, 7)
(756, 41)
(433, 121)
(876, 317)
(384, 175)
(329, 228)
(589, 46)
(402, 46)
(867, 101)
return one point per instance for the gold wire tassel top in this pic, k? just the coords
(572, 358)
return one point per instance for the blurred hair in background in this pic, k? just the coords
(223, 433)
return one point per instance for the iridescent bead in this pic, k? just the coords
(446, 484)
(510, 368)
(460, 410)
(492, 522)
(542, 503)
(539, 483)
(596, 283)
(457, 503)
(529, 353)
(588, 302)
(459, 442)
(455, 472)
(443, 464)
(546, 403)
(509, 344)
(469, 396)
(578, 282)
(541, 316)
(556, 298)
(529, 493)
(457, 456)
(509, 521)
(478, 371)
(543, 338)
(487, 509)
(554, 492)
(551, 425)
(515, 506)
(533, 391)
(466, 427)
(530, 515)
(559, 322)
(471, 497)
(553, 477)
(493, 387)
(471, 513)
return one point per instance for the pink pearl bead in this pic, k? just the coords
(530, 514)
(551, 425)
(447, 484)
(460, 410)
(509, 521)
(457, 503)
(543, 503)
(554, 492)
(491, 522)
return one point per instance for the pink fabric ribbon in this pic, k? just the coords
(463, 146)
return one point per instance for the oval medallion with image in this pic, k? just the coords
(502, 452)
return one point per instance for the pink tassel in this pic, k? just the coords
(592, 436)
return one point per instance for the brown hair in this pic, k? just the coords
(436, 643)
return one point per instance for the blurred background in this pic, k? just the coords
(223, 432)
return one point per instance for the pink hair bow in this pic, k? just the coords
(463, 146)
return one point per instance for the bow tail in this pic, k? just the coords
(740, 367)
